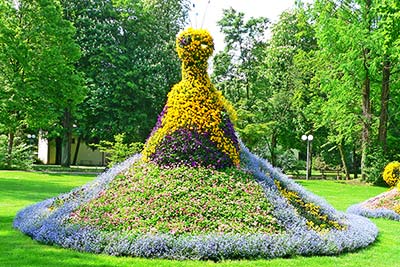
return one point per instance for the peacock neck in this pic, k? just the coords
(198, 72)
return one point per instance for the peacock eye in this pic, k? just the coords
(185, 40)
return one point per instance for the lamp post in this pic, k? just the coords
(308, 138)
(31, 138)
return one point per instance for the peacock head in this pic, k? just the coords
(194, 45)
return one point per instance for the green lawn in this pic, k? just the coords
(19, 189)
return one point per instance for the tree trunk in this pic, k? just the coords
(366, 114)
(78, 145)
(344, 164)
(10, 146)
(273, 149)
(355, 163)
(58, 151)
(66, 139)
(383, 118)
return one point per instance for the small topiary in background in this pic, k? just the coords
(391, 173)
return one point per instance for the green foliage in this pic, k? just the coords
(38, 80)
(118, 151)
(376, 161)
(180, 201)
(20, 158)
(271, 101)
(391, 173)
(129, 62)
(37, 56)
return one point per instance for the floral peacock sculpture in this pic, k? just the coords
(194, 127)
(195, 192)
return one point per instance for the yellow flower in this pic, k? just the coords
(391, 173)
(194, 103)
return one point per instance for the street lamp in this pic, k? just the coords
(308, 138)
(31, 138)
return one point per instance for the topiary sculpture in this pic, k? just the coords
(195, 127)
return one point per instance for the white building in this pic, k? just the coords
(86, 155)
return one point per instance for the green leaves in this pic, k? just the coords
(181, 201)
(118, 151)
(38, 79)
(129, 61)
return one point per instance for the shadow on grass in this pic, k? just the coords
(32, 191)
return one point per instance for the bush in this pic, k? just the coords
(391, 174)
(118, 151)
(21, 156)
(375, 162)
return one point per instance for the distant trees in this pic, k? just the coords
(257, 75)
(330, 69)
(357, 41)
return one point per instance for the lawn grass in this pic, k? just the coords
(19, 189)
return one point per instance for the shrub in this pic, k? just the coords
(375, 162)
(21, 156)
(118, 151)
(391, 173)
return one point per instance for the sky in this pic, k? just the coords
(206, 13)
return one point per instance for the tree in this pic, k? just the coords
(237, 72)
(388, 33)
(236, 66)
(345, 37)
(37, 55)
(359, 44)
(129, 63)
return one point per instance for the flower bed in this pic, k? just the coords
(49, 222)
(385, 205)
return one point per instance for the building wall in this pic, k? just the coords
(43, 149)
(86, 156)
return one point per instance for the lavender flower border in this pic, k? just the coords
(361, 210)
(50, 227)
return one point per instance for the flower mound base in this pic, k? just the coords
(288, 232)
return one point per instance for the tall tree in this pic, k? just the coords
(344, 31)
(37, 55)
(388, 34)
(269, 115)
(235, 66)
(129, 63)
